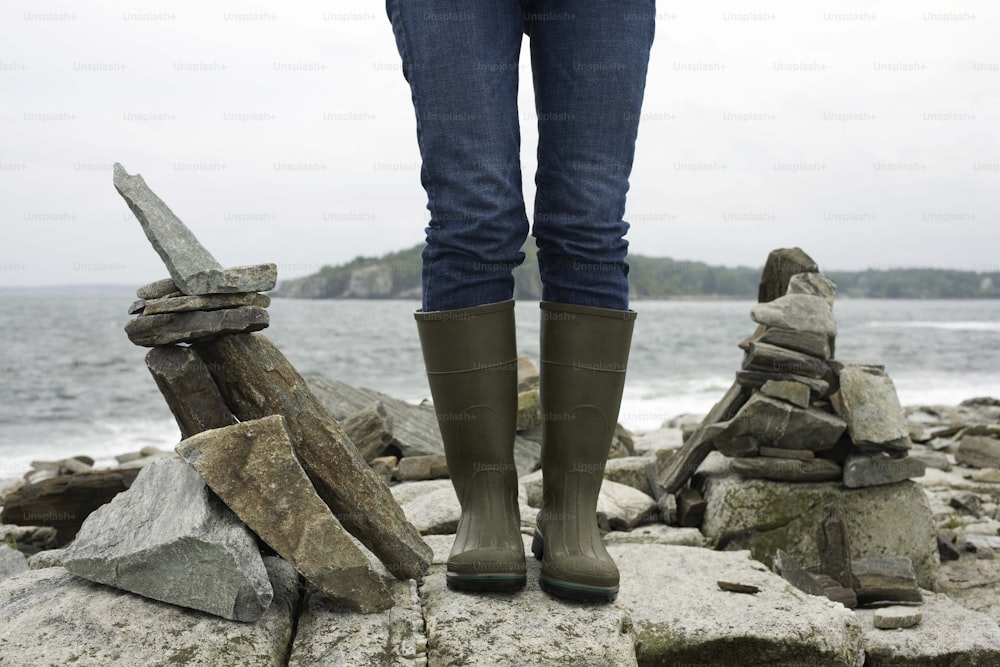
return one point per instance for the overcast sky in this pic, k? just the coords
(866, 132)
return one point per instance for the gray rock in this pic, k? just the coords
(890, 618)
(434, 513)
(764, 516)
(690, 508)
(948, 635)
(834, 547)
(528, 629)
(868, 402)
(777, 423)
(885, 580)
(873, 469)
(630, 471)
(158, 289)
(795, 393)
(621, 507)
(767, 358)
(663, 438)
(695, 622)
(47, 558)
(415, 468)
(793, 572)
(816, 284)
(188, 388)
(12, 562)
(529, 409)
(808, 342)
(788, 470)
(252, 467)
(978, 451)
(782, 264)
(170, 539)
(370, 430)
(932, 459)
(801, 312)
(406, 491)
(757, 379)
(184, 304)
(328, 635)
(50, 617)
(778, 453)
(254, 278)
(976, 542)
(37, 537)
(176, 245)
(150, 330)
(657, 533)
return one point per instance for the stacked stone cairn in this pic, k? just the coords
(262, 458)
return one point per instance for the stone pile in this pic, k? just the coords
(794, 412)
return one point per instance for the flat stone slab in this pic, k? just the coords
(328, 635)
(657, 533)
(251, 278)
(158, 289)
(764, 516)
(185, 304)
(150, 330)
(253, 469)
(688, 619)
(528, 628)
(51, 617)
(171, 539)
(803, 312)
(862, 470)
(948, 635)
(868, 402)
(891, 618)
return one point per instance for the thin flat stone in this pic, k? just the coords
(769, 358)
(781, 265)
(779, 453)
(170, 539)
(808, 342)
(157, 289)
(868, 402)
(184, 304)
(181, 252)
(788, 470)
(253, 278)
(885, 580)
(777, 423)
(796, 311)
(757, 379)
(795, 393)
(862, 470)
(253, 468)
(891, 618)
(170, 328)
(834, 547)
(816, 284)
(137, 307)
(796, 575)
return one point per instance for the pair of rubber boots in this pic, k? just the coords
(471, 360)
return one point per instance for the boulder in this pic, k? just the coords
(978, 451)
(764, 516)
(12, 562)
(51, 617)
(630, 471)
(799, 312)
(252, 467)
(434, 513)
(868, 402)
(170, 539)
(621, 507)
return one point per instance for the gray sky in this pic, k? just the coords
(866, 132)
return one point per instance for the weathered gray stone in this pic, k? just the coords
(415, 468)
(630, 471)
(777, 423)
(757, 379)
(868, 402)
(657, 533)
(690, 508)
(807, 342)
(890, 618)
(932, 459)
(946, 549)
(764, 516)
(788, 470)
(158, 289)
(664, 438)
(833, 590)
(778, 453)
(795, 393)
(37, 537)
(341, 476)
(697, 623)
(188, 389)
(834, 547)
(47, 558)
(176, 245)
(253, 468)
(885, 580)
(782, 264)
(800, 312)
(527, 374)
(873, 469)
(50, 617)
(328, 635)
(170, 539)
(977, 543)
(406, 491)
(184, 304)
(793, 572)
(948, 636)
(12, 562)
(528, 629)
(370, 430)
(768, 358)
(979, 451)
(529, 409)
(137, 307)
(254, 278)
(816, 284)
(150, 330)
(434, 513)
(384, 467)
(621, 507)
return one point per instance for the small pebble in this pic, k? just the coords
(890, 618)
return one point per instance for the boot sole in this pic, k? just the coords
(493, 583)
(567, 590)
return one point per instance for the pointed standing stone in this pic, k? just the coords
(252, 467)
(834, 547)
(168, 538)
(781, 265)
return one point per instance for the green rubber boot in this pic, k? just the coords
(584, 353)
(471, 360)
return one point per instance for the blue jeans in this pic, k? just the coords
(588, 63)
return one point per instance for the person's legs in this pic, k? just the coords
(461, 61)
(588, 61)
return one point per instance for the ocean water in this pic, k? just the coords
(72, 383)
